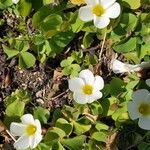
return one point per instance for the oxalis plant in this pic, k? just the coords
(103, 114)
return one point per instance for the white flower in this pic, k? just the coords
(139, 107)
(100, 11)
(86, 87)
(120, 67)
(15, 1)
(29, 131)
(148, 82)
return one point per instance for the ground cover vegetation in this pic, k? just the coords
(75, 74)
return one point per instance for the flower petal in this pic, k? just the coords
(120, 67)
(80, 98)
(35, 140)
(22, 143)
(17, 129)
(101, 22)
(91, 2)
(15, 1)
(95, 96)
(133, 110)
(107, 3)
(87, 76)
(113, 11)
(85, 13)
(27, 119)
(76, 84)
(147, 98)
(98, 83)
(140, 95)
(144, 123)
(38, 125)
(148, 82)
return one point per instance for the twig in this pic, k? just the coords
(102, 47)
(61, 94)
(91, 49)
(91, 117)
(7, 131)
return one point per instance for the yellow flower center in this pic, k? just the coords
(77, 2)
(144, 109)
(31, 129)
(87, 89)
(98, 10)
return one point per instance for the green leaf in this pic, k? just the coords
(26, 60)
(105, 105)
(106, 90)
(36, 6)
(134, 4)
(143, 146)
(77, 56)
(120, 111)
(145, 50)
(67, 62)
(95, 145)
(87, 39)
(96, 108)
(41, 114)
(113, 105)
(54, 134)
(45, 11)
(131, 84)
(15, 109)
(80, 128)
(60, 41)
(64, 125)
(132, 56)
(51, 22)
(76, 23)
(101, 126)
(75, 143)
(47, 48)
(38, 39)
(42, 146)
(146, 2)
(70, 112)
(145, 18)
(75, 68)
(126, 45)
(57, 146)
(99, 136)
(10, 52)
(22, 95)
(25, 46)
(123, 117)
(67, 70)
(146, 38)
(50, 137)
(59, 131)
(89, 27)
(56, 114)
(128, 22)
(116, 86)
(40, 15)
(24, 7)
(117, 33)
(45, 2)
(43, 58)
(5, 3)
